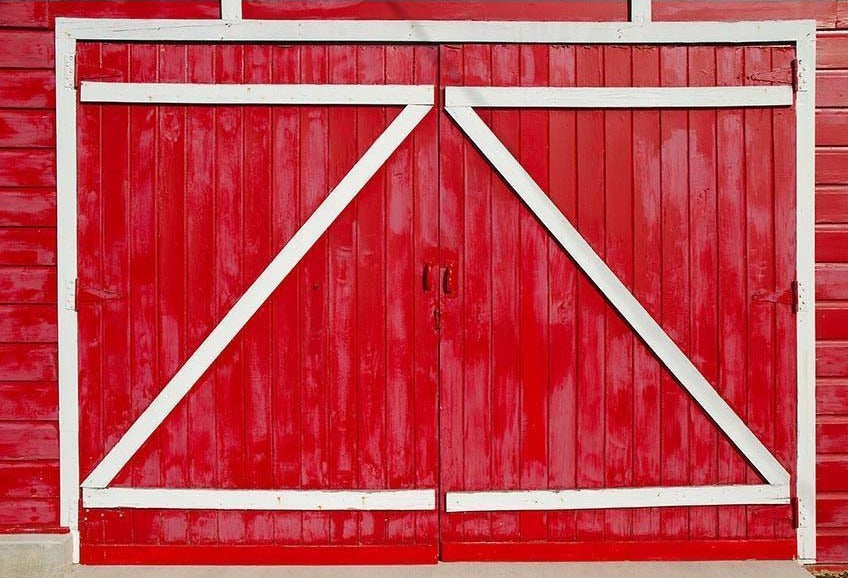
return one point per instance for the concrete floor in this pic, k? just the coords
(456, 570)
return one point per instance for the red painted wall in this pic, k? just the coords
(28, 397)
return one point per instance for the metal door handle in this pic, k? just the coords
(447, 280)
(426, 283)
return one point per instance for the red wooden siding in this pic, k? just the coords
(28, 486)
(832, 293)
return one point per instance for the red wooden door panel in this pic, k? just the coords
(333, 383)
(543, 384)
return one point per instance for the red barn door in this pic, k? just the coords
(525, 323)
(332, 384)
(544, 385)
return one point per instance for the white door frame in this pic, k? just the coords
(799, 34)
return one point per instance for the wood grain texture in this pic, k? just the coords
(29, 441)
(27, 323)
(29, 480)
(27, 128)
(832, 166)
(26, 48)
(27, 207)
(22, 168)
(18, 515)
(24, 14)
(27, 88)
(27, 285)
(832, 127)
(27, 246)
(25, 401)
(832, 50)
(832, 89)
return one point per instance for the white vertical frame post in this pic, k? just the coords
(640, 10)
(66, 247)
(230, 9)
(805, 263)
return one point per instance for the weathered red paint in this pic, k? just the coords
(739, 549)
(27, 247)
(324, 555)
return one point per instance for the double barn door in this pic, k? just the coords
(395, 321)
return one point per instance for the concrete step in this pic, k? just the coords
(749, 569)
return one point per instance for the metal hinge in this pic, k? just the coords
(796, 301)
(794, 512)
(91, 295)
(779, 75)
(789, 297)
(802, 75)
(71, 295)
(69, 72)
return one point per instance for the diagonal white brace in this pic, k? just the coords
(620, 297)
(258, 292)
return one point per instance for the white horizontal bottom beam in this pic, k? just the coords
(618, 97)
(606, 498)
(213, 499)
(267, 94)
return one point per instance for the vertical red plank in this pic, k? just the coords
(400, 289)
(257, 253)
(425, 239)
(732, 300)
(675, 276)
(371, 303)
(783, 120)
(341, 239)
(647, 284)
(562, 434)
(200, 281)
(533, 300)
(144, 375)
(171, 289)
(114, 173)
(89, 271)
(314, 289)
(589, 303)
(703, 254)
(618, 178)
(451, 359)
(759, 203)
(229, 266)
(505, 294)
(286, 300)
(476, 305)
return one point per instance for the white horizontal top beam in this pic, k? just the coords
(618, 97)
(435, 31)
(294, 94)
